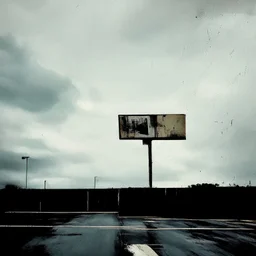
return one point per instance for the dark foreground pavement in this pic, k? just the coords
(109, 234)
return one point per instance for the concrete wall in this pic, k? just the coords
(190, 203)
(60, 200)
(170, 202)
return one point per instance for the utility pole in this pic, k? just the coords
(95, 181)
(150, 171)
(26, 158)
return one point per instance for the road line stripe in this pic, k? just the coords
(127, 217)
(137, 217)
(250, 224)
(147, 244)
(120, 227)
(177, 219)
(25, 212)
(141, 250)
(71, 226)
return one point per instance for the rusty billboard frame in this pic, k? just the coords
(148, 140)
(154, 118)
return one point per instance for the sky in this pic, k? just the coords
(68, 68)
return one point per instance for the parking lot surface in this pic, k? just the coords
(109, 234)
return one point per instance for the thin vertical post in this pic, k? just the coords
(23, 158)
(45, 184)
(26, 173)
(87, 207)
(148, 142)
(118, 199)
(95, 181)
(150, 163)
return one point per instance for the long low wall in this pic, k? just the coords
(222, 202)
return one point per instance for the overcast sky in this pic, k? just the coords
(68, 68)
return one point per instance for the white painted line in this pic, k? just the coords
(253, 221)
(137, 217)
(181, 219)
(155, 244)
(152, 219)
(122, 227)
(26, 212)
(71, 226)
(241, 223)
(250, 224)
(141, 250)
(176, 219)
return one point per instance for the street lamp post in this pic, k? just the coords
(23, 158)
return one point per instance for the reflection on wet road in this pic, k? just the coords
(109, 234)
(82, 241)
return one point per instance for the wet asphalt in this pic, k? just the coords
(109, 234)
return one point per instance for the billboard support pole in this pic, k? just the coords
(149, 127)
(150, 169)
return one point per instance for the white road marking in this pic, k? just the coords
(26, 212)
(150, 218)
(176, 219)
(247, 223)
(122, 227)
(253, 221)
(250, 224)
(141, 250)
(155, 244)
(181, 219)
(137, 217)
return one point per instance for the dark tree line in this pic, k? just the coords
(211, 185)
(11, 187)
(204, 185)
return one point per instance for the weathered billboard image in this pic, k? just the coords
(158, 127)
(171, 126)
(137, 127)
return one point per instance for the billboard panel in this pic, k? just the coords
(157, 127)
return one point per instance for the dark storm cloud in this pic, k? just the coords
(11, 135)
(11, 161)
(46, 163)
(27, 85)
(12, 166)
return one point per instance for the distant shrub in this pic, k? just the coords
(11, 187)
(204, 185)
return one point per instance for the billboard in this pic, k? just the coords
(155, 127)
